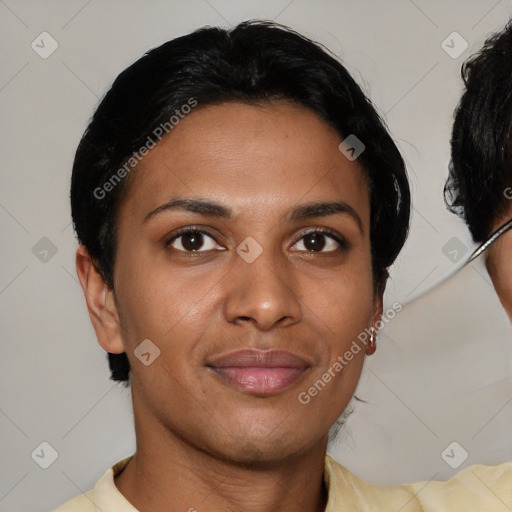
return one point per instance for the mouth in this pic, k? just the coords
(259, 372)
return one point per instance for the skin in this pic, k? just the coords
(202, 444)
(498, 264)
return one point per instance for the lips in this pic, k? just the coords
(259, 372)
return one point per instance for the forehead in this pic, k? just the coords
(256, 158)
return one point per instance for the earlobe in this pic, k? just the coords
(371, 347)
(100, 303)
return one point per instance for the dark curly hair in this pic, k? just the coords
(254, 62)
(481, 143)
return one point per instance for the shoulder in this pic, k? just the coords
(348, 492)
(104, 497)
(476, 488)
(82, 503)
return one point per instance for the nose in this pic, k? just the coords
(262, 292)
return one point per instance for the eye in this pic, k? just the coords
(320, 240)
(193, 240)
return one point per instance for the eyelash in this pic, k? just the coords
(342, 242)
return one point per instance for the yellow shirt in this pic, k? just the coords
(476, 488)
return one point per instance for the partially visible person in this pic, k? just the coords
(445, 361)
(479, 187)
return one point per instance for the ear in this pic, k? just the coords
(376, 318)
(100, 303)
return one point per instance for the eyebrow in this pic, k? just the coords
(298, 213)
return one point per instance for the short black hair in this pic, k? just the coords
(255, 62)
(481, 142)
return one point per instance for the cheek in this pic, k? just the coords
(343, 301)
(502, 281)
(343, 307)
(165, 304)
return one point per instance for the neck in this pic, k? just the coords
(168, 474)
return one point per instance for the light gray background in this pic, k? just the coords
(53, 374)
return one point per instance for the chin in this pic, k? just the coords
(268, 448)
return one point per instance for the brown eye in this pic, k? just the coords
(319, 241)
(314, 241)
(193, 240)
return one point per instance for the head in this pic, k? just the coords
(479, 186)
(216, 212)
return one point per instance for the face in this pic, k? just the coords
(498, 264)
(249, 285)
